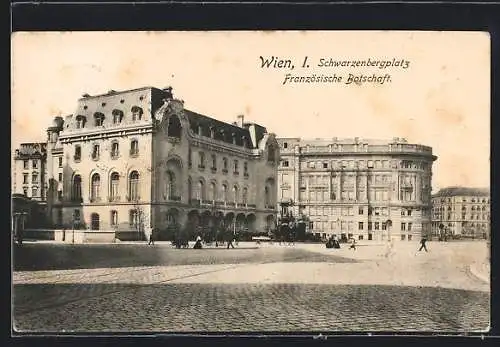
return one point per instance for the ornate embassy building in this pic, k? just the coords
(366, 189)
(137, 159)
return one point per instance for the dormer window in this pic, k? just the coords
(136, 113)
(244, 141)
(80, 122)
(117, 116)
(234, 138)
(98, 119)
(212, 132)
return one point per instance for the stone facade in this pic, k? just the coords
(137, 160)
(366, 189)
(30, 171)
(462, 211)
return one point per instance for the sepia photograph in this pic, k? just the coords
(250, 181)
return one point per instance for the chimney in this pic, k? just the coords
(241, 118)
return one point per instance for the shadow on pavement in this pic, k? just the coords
(247, 307)
(35, 257)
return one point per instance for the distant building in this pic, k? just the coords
(29, 171)
(353, 187)
(462, 211)
(137, 159)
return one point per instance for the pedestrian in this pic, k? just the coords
(230, 239)
(151, 238)
(353, 244)
(422, 244)
(197, 244)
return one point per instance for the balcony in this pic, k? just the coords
(113, 198)
(77, 158)
(224, 171)
(236, 173)
(201, 167)
(246, 175)
(134, 153)
(115, 155)
(173, 198)
(95, 199)
(133, 198)
(195, 202)
(95, 156)
(269, 207)
(213, 169)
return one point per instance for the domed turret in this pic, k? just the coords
(58, 122)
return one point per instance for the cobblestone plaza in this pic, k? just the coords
(265, 288)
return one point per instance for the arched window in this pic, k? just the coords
(134, 186)
(213, 191)
(201, 190)
(224, 192)
(117, 116)
(174, 127)
(95, 193)
(80, 121)
(98, 119)
(94, 221)
(190, 190)
(171, 193)
(77, 188)
(115, 181)
(236, 194)
(224, 164)
(136, 113)
(245, 196)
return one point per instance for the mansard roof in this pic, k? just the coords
(31, 150)
(462, 191)
(223, 131)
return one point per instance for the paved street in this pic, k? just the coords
(133, 287)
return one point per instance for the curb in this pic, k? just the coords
(473, 271)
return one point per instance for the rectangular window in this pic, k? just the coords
(403, 226)
(114, 218)
(59, 195)
(95, 152)
(214, 162)
(286, 163)
(34, 192)
(114, 150)
(201, 157)
(360, 225)
(409, 226)
(134, 148)
(360, 211)
(26, 164)
(34, 178)
(60, 177)
(377, 226)
(25, 178)
(60, 161)
(35, 164)
(78, 153)
(236, 167)
(325, 165)
(285, 145)
(369, 225)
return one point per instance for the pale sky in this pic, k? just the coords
(441, 100)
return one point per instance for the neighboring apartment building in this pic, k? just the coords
(138, 159)
(29, 171)
(366, 189)
(462, 211)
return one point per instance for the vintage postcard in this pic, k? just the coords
(251, 181)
